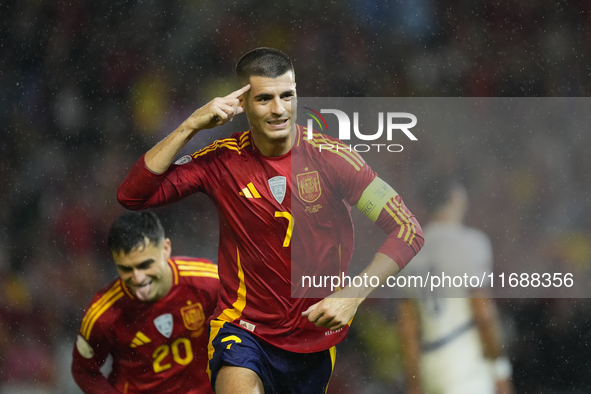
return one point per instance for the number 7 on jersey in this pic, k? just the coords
(287, 215)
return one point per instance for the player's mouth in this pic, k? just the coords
(142, 292)
(278, 124)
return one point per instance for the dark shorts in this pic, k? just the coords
(281, 372)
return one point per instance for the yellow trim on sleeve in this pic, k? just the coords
(338, 148)
(98, 308)
(405, 222)
(374, 198)
(228, 143)
(201, 274)
(175, 271)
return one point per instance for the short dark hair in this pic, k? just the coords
(437, 192)
(262, 62)
(130, 231)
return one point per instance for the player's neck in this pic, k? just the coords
(448, 216)
(453, 211)
(273, 148)
(167, 281)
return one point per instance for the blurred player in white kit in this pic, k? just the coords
(452, 345)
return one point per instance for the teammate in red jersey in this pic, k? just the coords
(152, 320)
(279, 199)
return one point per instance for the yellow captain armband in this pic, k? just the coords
(374, 198)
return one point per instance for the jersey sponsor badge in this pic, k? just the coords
(278, 186)
(164, 324)
(309, 186)
(183, 160)
(84, 347)
(193, 316)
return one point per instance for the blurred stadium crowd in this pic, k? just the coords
(87, 87)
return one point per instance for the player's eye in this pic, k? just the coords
(264, 98)
(287, 96)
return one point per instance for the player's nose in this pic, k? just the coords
(137, 277)
(277, 107)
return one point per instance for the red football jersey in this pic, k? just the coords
(272, 211)
(158, 347)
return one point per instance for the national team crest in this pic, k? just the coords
(193, 316)
(164, 324)
(278, 186)
(309, 186)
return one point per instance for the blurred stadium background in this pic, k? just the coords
(87, 87)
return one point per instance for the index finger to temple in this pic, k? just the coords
(239, 92)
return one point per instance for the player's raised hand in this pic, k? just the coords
(217, 112)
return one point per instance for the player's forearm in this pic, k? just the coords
(217, 112)
(161, 156)
(487, 323)
(405, 235)
(409, 335)
(382, 267)
(337, 310)
(485, 316)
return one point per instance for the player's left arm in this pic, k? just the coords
(409, 328)
(384, 206)
(380, 203)
(337, 310)
(87, 360)
(487, 322)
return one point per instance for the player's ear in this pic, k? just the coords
(241, 104)
(167, 248)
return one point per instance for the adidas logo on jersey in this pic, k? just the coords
(140, 339)
(250, 191)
